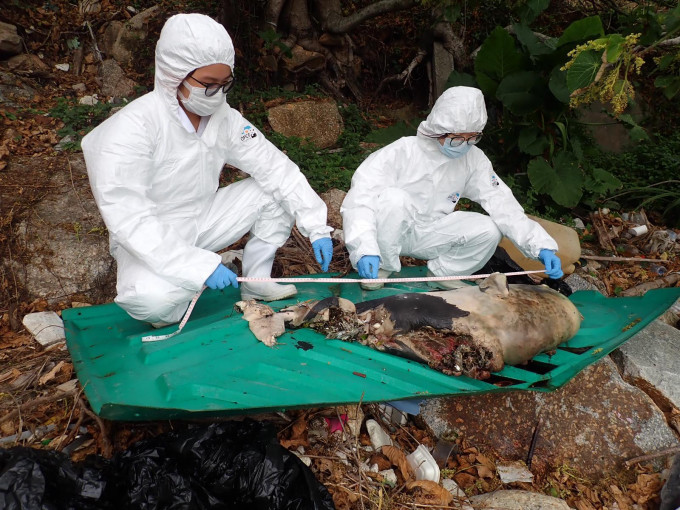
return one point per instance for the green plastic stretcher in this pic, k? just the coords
(216, 367)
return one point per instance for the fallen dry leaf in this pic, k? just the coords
(645, 488)
(431, 492)
(398, 458)
(51, 374)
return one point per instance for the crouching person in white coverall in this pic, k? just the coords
(403, 198)
(154, 170)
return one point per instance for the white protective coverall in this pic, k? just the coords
(156, 182)
(403, 196)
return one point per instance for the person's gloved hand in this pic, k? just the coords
(221, 278)
(323, 251)
(552, 263)
(368, 266)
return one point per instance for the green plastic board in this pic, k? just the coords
(216, 367)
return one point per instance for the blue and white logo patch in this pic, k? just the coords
(494, 180)
(248, 133)
(454, 197)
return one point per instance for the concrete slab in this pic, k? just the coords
(594, 423)
(651, 361)
(46, 327)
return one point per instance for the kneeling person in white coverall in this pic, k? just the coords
(154, 170)
(403, 197)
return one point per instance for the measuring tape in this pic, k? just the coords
(244, 279)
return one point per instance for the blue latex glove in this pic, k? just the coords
(552, 263)
(368, 266)
(323, 251)
(221, 278)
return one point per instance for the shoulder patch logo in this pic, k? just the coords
(454, 197)
(494, 180)
(248, 133)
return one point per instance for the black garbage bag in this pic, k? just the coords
(231, 465)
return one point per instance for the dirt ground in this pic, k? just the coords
(42, 404)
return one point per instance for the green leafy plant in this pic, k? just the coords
(78, 119)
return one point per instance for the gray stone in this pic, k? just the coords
(10, 42)
(577, 282)
(12, 88)
(594, 423)
(113, 81)
(65, 242)
(333, 199)
(131, 35)
(651, 361)
(108, 38)
(28, 65)
(517, 500)
(46, 327)
(318, 121)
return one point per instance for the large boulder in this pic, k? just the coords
(10, 42)
(131, 35)
(319, 121)
(594, 423)
(113, 81)
(64, 243)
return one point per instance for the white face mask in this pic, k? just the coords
(198, 102)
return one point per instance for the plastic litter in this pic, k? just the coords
(379, 437)
(638, 230)
(221, 466)
(514, 472)
(423, 464)
(442, 451)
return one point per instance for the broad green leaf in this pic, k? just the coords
(522, 92)
(530, 10)
(576, 147)
(580, 30)
(457, 79)
(614, 47)
(558, 85)
(637, 133)
(584, 69)
(541, 175)
(529, 40)
(665, 61)
(670, 85)
(563, 182)
(602, 181)
(532, 141)
(496, 59)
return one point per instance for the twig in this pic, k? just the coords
(534, 440)
(666, 281)
(36, 402)
(107, 448)
(94, 42)
(652, 456)
(624, 259)
(72, 434)
(73, 185)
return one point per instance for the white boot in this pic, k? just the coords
(446, 284)
(258, 259)
(375, 286)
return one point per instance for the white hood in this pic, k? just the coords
(187, 42)
(458, 110)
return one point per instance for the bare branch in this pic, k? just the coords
(339, 24)
(452, 43)
(405, 75)
(670, 42)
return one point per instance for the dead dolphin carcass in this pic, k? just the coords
(472, 331)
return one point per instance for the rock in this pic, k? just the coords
(578, 224)
(510, 472)
(593, 423)
(651, 361)
(11, 87)
(64, 143)
(79, 87)
(28, 65)
(65, 240)
(458, 494)
(517, 500)
(569, 246)
(131, 34)
(113, 81)
(318, 121)
(108, 38)
(10, 42)
(46, 327)
(304, 61)
(89, 100)
(577, 282)
(333, 199)
(63, 67)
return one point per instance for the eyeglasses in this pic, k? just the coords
(212, 88)
(454, 140)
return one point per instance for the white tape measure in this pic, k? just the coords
(243, 279)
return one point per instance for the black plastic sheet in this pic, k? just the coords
(230, 465)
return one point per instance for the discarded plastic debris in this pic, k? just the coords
(225, 465)
(423, 464)
(514, 472)
(393, 415)
(638, 230)
(442, 451)
(379, 437)
(658, 269)
(335, 424)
